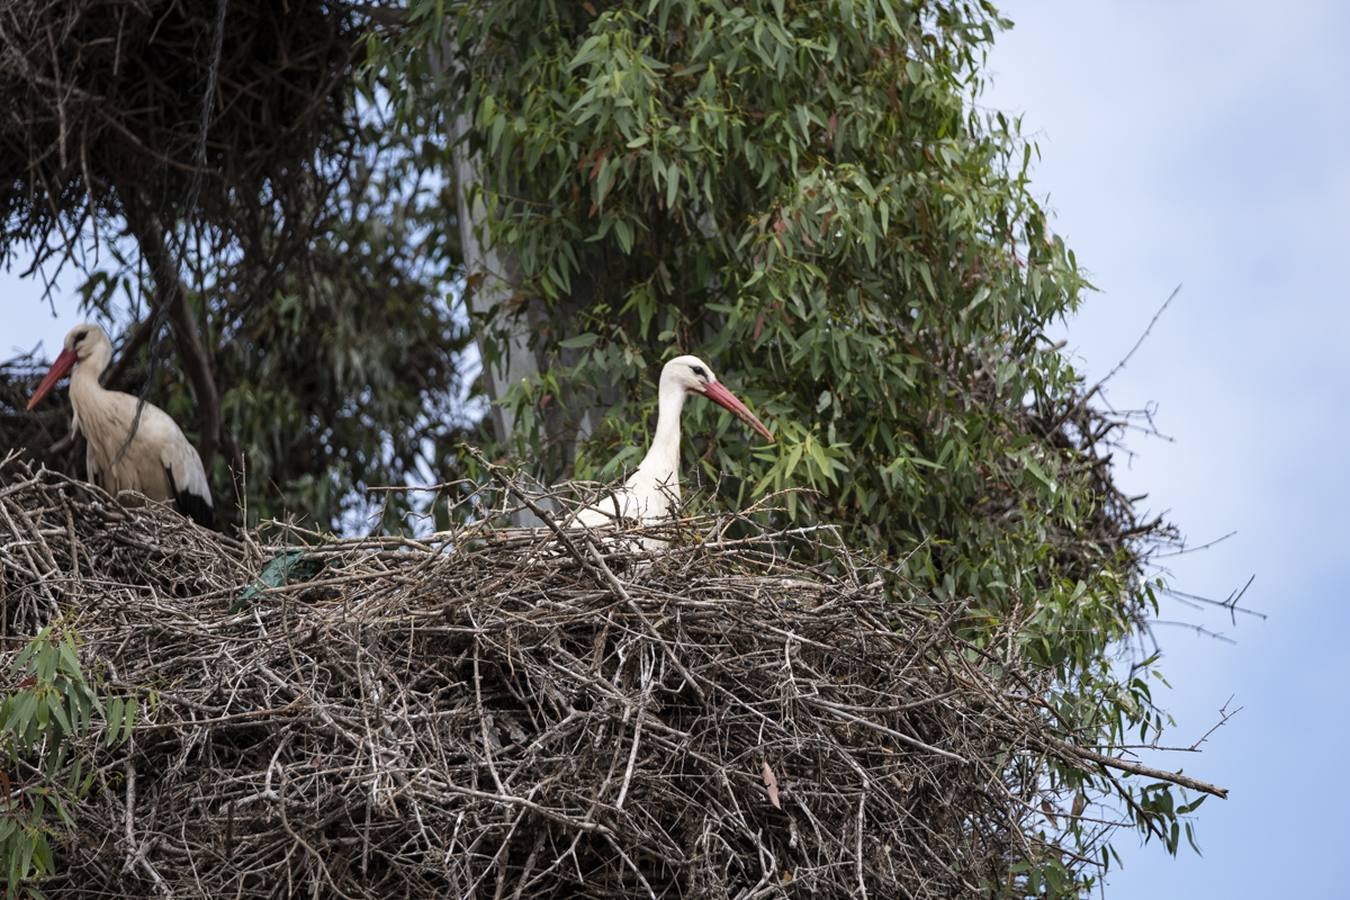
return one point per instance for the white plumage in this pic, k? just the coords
(159, 462)
(653, 489)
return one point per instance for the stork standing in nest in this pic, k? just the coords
(158, 461)
(650, 493)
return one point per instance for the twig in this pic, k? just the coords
(1134, 768)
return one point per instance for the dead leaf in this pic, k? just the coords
(771, 782)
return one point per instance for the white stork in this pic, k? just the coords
(159, 462)
(650, 492)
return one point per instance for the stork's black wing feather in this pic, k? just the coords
(194, 506)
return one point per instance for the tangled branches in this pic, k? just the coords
(488, 713)
(173, 110)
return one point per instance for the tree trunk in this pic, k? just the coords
(170, 297)
(494, 283)
(491, 284)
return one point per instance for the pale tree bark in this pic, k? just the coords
(494, 283)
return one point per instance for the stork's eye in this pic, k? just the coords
(698, 370)
(81, 336)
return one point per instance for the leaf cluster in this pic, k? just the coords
(47, 719)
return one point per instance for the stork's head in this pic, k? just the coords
(693, 375)
(84, 342)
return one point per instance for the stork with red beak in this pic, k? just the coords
(650, 492)
(158, 461)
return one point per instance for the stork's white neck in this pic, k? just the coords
(663, 457)
(90, 369)
(84, 381)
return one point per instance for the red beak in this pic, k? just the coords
(726, 399)
(60, 369)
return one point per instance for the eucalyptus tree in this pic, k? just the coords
(810, 195)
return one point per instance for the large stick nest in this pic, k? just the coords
(187, 109)
(490, 713)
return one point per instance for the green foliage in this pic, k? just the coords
(47, 721)
(807, 194)
(338, 361)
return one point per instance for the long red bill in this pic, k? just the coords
(64, 363)
(725, 398)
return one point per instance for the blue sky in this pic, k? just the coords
(1202, 144)
(1205, 144)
